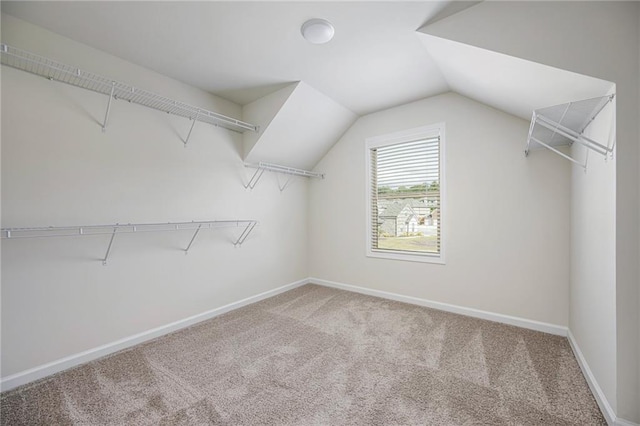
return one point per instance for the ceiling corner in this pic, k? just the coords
(451, 9)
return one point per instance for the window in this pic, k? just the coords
(405, 195)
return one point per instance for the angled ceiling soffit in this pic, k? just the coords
(510, 84)
(298, 126)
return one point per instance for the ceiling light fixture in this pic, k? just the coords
(317, 31)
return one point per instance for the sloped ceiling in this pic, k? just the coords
(304, 128)
(533, 30)
(305, 96)
(505, 82)
(261, 113)
(451, 9)
(242, 51)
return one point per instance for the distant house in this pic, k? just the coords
(433, 217)
(397, 218)
(426, 210)
(420, 208)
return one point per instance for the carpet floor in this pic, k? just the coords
(316, 355)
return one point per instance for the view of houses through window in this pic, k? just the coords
(405, 196)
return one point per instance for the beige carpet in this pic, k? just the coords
(316, 355)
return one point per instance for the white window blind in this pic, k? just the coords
(405, 197)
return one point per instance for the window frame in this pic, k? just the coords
(409, 135)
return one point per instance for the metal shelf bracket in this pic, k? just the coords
(186, 141)
(106, 114)
(195, 234)
(255, 178)
(243, 236)
(286, 183)
(106, 256)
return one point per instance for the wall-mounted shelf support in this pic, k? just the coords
(549, 147)
(57, 71)
(195, 234)
(261, 167)
(186, 141)
(106, 255)
(106, 114)
(245, 233)
(112, 230)
(565, 124)
(255, 178)
(286, 183)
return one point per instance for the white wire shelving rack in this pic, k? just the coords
(565, 124)
(74, 76)
(261, 167)
(70, 231)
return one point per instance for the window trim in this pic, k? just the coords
(408, 135)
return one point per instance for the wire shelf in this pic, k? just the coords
(53, 70)
(71, 231)
(261, 167)
(565, 124)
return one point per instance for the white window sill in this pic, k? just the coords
(406, 256)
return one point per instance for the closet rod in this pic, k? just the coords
(572, 135)
(74, 76)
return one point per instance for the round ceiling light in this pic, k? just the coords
(317, 31)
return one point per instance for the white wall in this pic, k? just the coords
(593, 255)
(602, 37)
(507, 216)
(58, 168)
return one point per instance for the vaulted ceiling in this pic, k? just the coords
(252, 53)
(244, 50)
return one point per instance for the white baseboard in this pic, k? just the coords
(57, 366)
(45, 370)
(476, 313)
(602, 401)
(559, 330)
(596, 390)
